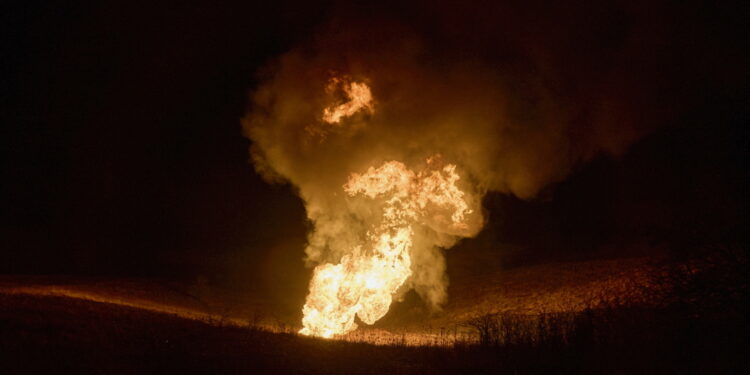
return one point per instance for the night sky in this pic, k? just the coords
(122, 152)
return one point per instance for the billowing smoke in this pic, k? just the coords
(490, 101)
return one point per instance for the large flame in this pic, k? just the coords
(364, 281)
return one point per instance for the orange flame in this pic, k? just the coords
(363, 282)
(358, 97)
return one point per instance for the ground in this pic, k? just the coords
(534, 320)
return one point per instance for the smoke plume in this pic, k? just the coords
(515, 110)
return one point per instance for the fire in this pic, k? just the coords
(363, 283)
(358, 97)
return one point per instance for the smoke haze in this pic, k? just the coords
(122, 156)
(515, 110)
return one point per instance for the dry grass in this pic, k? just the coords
(594, 317)
(54, 334)
(530, 291)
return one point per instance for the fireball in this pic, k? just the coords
(363, 283)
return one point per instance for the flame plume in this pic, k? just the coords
(364, 282)
(407, 91)
(358, 95)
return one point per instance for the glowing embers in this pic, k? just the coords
(364, 281)
(357, 96)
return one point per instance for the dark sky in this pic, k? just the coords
(122, 153)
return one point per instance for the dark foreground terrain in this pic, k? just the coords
(49, 334)
(42, 334)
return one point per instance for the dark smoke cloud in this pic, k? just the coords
(516, 97)
(518, 108)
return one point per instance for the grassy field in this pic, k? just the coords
(560, 287)
(546, 319)
(46, 334)
(50, 334)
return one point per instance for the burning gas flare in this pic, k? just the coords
(494, 119)
(358, 98)
(364, 281)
